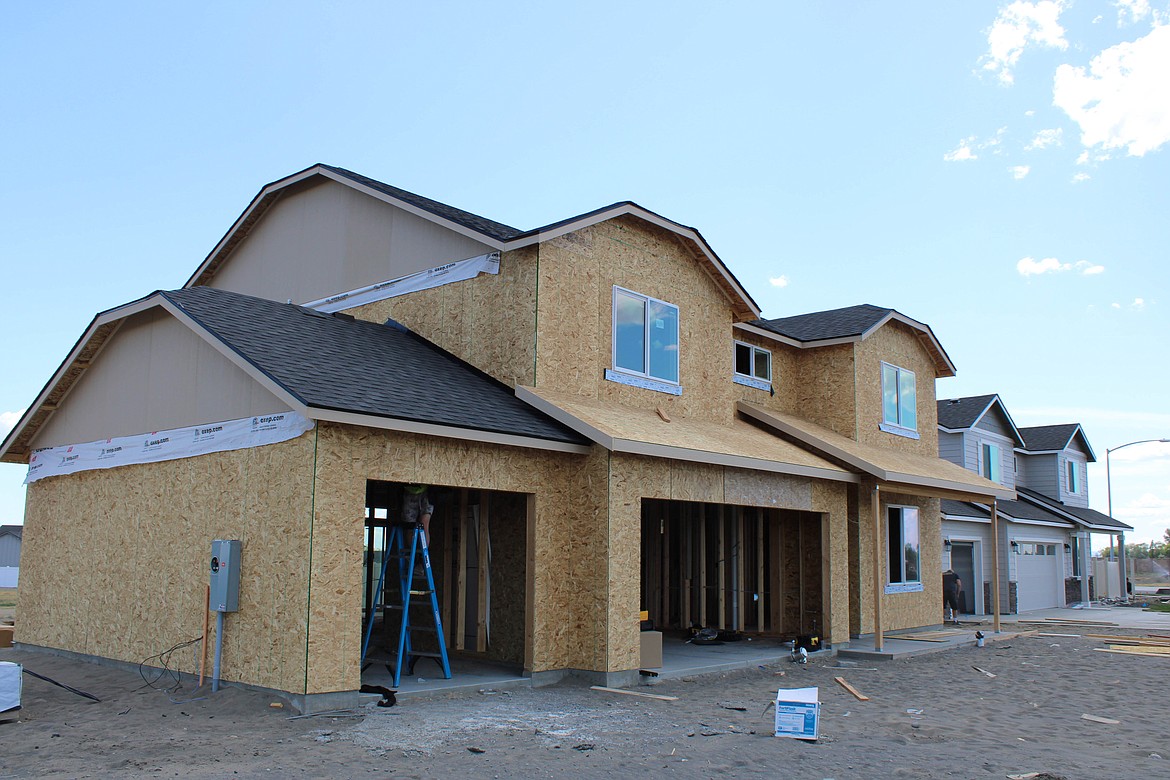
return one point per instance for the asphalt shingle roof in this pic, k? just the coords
(496, 230)
(1048, 437)
(13, 530)
(956, 413)
(820, 325)
(1090, 516)
(335, 362)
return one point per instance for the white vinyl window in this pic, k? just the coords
(645, 341)
(1072, 474)
(990, 466)
(904, 567)
(899, 401)
(752, 366)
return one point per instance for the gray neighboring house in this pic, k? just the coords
(1044, 534)
(10, 555)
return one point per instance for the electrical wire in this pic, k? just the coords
(164, 670)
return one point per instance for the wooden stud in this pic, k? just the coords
(664, 560)
(777, 580)
(722, 552)
(703, 566)
(759, 513)
(624, 692)
(740, 572)
(995, 564)
(448, 537)
(876, 498)
(483, 545)
(529, 581)
(686, 534)
(461, 576)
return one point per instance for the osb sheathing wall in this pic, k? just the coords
(635, 477)
(899, 610)
(896, 344)
(816, 384)
(115, 562)
(568, 557)
(489, 321)
(575, 316)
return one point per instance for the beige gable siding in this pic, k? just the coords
(898, 345)
(489, 321)
(330, 239)
(153, 375)
(575, 316)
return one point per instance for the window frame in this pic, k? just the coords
(904, 584)
(1072, 476)
(751, 379)
(644, 379)
(898, 427)
(990, 466)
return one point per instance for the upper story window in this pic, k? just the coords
(899, 401)
(753, 366)
(989, 468)
(1072, 476)
(645, 342)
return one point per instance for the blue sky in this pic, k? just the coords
(998, 171)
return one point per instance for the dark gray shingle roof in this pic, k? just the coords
(496, 230)
(1017, 510)
(335, 362)
(1089, 516)
(820, 325)
(955, 413)
(12, 530)
(1048, 437)
(963, 509)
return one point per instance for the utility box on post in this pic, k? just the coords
(225, 575)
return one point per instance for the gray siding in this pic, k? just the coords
(331, 239)
(1041, 473)
(1080, 499)
(950, 447)
(9, 551)
(154, 374)
(974, 454)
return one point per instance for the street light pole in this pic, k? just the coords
(1109, 494)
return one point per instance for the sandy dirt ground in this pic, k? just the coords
(929, 716)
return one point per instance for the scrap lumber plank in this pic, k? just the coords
(914, 638)
(989, 674)
(633, 693)
(1041, 633)
(856, 693)
(1131, 652)
(1099, 719)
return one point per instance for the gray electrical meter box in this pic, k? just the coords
(225, 575)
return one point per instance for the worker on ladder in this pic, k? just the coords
(417, 508)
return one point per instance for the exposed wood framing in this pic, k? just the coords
(481, 625)
(876, 499)
(448, 566)
(461, 576)
(722, 553)
(529, 580)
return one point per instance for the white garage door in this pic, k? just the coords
(1039, 576)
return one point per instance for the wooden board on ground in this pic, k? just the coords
(989, 674)
(1041, 633)
(1131, 652)
(856, 693)
(624, 692)
(1099, 719)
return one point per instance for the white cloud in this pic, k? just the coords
(8, 420)
(1083, 158)
(1138, 303)
(1131, 11)
(1046, 138)
(1089, 269)
(1018, 26)
(1080, 177)
(1020, 171)
(962, 151)
(779, 281)
(1030, 266)
(1120, 101)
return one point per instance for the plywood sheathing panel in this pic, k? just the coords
(574, 325)
(826, 389)
(489, 321)
(115, 561)
(901, 610)
(831, 500)
(899, 345)
(568, 523)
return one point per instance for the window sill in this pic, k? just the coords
(751, 381)
(645, 383)
(898, 430)
(904, 587)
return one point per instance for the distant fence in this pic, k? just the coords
(1150, 570)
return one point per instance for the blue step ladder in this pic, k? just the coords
(408, 557)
